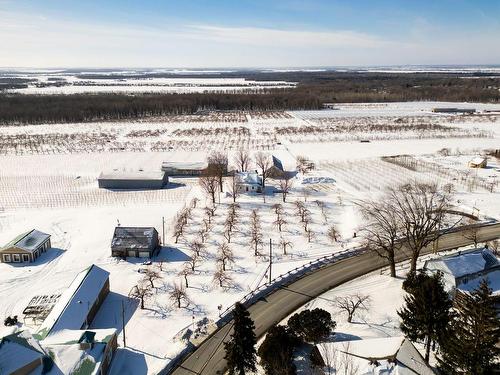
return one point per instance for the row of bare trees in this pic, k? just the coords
(408, 217)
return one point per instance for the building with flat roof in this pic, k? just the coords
(132, 180)
(26, 247)
(184, 168)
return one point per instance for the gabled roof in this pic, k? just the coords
(277, 163)
(28, 241)
(17, 350)
(249, 178)
(73, 306)
(134, 237)
(464, 263)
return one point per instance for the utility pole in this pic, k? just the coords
(163, 232)
(270, 259)
(123, 324)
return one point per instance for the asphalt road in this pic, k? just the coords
(208, 358)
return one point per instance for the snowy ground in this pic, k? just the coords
(53, 188)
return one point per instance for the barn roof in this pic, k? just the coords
(72, 308)
(134, 237)
(277, 163)
(28, 241)
(185, 165)
(139, 174)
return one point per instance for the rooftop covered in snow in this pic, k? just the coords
(28, 241)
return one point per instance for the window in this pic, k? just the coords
(16, 258)
(7, 258)
(26, 258)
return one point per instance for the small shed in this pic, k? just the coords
(478, 162)
(140, 242)
(26, 247)
(189, 168)
(132, 180)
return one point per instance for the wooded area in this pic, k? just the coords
(312, 90)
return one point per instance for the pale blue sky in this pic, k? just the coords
(247, 33)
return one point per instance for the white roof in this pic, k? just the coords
(409, 361)
(18, 350)
(188, 165)
(477, 160)
(139, 174)
(462, 264)
(249, 178)
(72, 308)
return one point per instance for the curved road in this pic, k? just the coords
(208, 358)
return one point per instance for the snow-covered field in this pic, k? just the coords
(48, 182)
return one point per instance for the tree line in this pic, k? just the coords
(312, 90)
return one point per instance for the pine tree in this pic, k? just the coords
(470, 347)
(240, 350)
(276, 352)
(427, 312)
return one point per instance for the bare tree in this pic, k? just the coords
(333, 234)
(306, 192)
(382, 231)
(352, 303)
(263, 161)
(178, 295)
(284, 243)
(222, 278)
(217, 162)
(209, 183)
(234, 186)
(306, 220)
(224, 255)
(185, 272)
(203, 232)
(151, 276)
(421, 209)
(230, 223)
(285, 187)
(279, 222)
(197, 247)
(322, 207)
(210, 213)
(309, 234)
(255, 231)
(193, 261)
(194, 202)
(142, 292)
(242, 160)
(181, 221)
(278, 208)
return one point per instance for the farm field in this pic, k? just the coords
(48, 181)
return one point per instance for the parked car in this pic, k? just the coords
(147, 263)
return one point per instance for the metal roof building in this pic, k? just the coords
(26, 247)
(141, 242)
(192, 168)
(132, 180)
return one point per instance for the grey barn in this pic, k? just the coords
(132, 180)
(140, 242)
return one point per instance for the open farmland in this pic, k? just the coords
(48, 181)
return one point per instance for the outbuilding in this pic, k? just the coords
(478, 162)
(189, 168)
(132, 180)
(26, 247)
(248, 182)
(140, 242)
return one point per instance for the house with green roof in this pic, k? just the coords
(26, 247)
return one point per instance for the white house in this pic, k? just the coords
(248, 182)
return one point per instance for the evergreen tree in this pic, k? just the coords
(276, 352)
(470, 347)
(427, 311)
(312, 325)
(240, 350)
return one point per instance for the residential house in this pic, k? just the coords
(248, 182)
(141, 242)
(26, 247)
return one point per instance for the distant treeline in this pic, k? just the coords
(313, 90)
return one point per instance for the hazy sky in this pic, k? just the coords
(247, 33)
